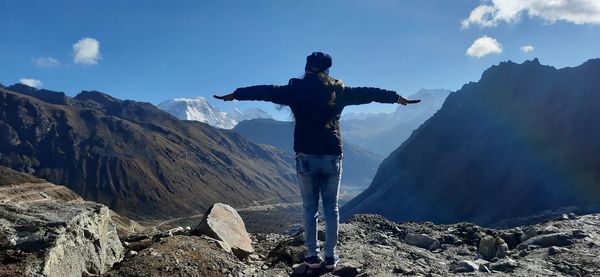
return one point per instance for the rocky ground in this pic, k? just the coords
(47, 230)
(373, 246)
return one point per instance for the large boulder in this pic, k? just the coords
(222, 222)
(58, 239)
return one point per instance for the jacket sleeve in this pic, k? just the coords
(365, 95)
(270, 93)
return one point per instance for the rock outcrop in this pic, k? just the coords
(222, 222)
(20, 188)
(57, 239)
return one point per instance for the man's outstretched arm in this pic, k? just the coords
(365, 95)
(270, 93)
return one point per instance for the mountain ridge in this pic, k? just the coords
(493, 152)
(135, 158)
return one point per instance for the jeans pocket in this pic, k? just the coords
(336, 166)
(302, 166)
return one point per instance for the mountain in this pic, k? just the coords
(359, 164)
(523, 139)
(199, 109)
(135, 158)
(384, 132)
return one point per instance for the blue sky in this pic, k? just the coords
(155, 50)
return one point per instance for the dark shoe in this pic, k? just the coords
(331, 262)
(313, 262)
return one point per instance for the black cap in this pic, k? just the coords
(318, 62)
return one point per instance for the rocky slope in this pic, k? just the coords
(359, 164)
(17, 188)
(523, 139)
(373, 246)
(199, 109)
(382, 133)
(133, 157)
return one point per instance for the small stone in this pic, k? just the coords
(528, 233)
(512, 237)
(553, 250)
(572, 216)
(484, 269)
(562, 217)
(132, 253)
(578, 234)
(321, 235)
(265, 267)
(504, 265)
(523, 253)
(464, 266)
(501, 250)
(422, 241)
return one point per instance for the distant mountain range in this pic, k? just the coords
(523, 139)
(384, 132)
(359, 164)
(135, 158)
(199, 109)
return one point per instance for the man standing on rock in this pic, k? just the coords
(317, 101)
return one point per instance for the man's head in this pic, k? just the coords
(318, 62)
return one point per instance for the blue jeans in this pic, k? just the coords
(320, 174)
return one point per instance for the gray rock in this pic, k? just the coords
(553, 250)
(512, 237)
(504, 265)
(556, 239)
(487, 247)
(501, 250)
(8, 235)
(529, 233)
(484, 269)
(464, 266)
(422, 241)
(69, 239)
(222, 222)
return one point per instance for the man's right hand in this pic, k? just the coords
(227, 97)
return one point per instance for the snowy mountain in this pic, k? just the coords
(199, 109)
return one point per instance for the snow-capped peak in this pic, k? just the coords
(200, 109)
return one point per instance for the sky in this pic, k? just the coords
(156, 50)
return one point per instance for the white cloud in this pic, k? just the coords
(87, 51)
(527, 49)
(45, 61)
(484, 46)
(31, 82)
(496, 11)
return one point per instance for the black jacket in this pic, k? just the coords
(316, 112)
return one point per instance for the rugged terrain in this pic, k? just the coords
(133, 157)
(57, 234)
(522, 140)
(373, 246)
